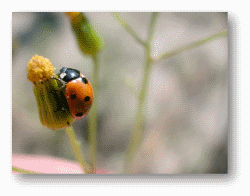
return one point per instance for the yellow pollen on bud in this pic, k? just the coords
(39, 69)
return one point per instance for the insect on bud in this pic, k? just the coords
(52, 104)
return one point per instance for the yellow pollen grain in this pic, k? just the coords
(39, 69)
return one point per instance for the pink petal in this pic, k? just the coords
(48, 165)
(45, 164)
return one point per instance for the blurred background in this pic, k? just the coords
(186, 130)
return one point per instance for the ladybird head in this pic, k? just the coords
(68, 74)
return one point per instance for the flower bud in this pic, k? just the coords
(52, 104)
(88, 39)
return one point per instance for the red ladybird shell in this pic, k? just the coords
(80, 97)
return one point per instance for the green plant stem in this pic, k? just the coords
(151, 28)
(76, 145)
(93, 116)
(24, 171)
(137, 131)
(192, 45)
(128, 28)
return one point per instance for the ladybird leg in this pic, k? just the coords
(62, 105)
(64, 84)
(62, 109)
(58, 79)
(61, 87)
(53, 91)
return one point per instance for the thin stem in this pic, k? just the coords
(93, 116)
(152, 26)
(192, 45)
(128, 28)
(24, 171)
(76, 145)
(137, 131)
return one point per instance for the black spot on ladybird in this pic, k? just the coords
(73, 96)
(84, 80)
(79, 114)
(87, 98)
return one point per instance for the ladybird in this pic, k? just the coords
(78, 90)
